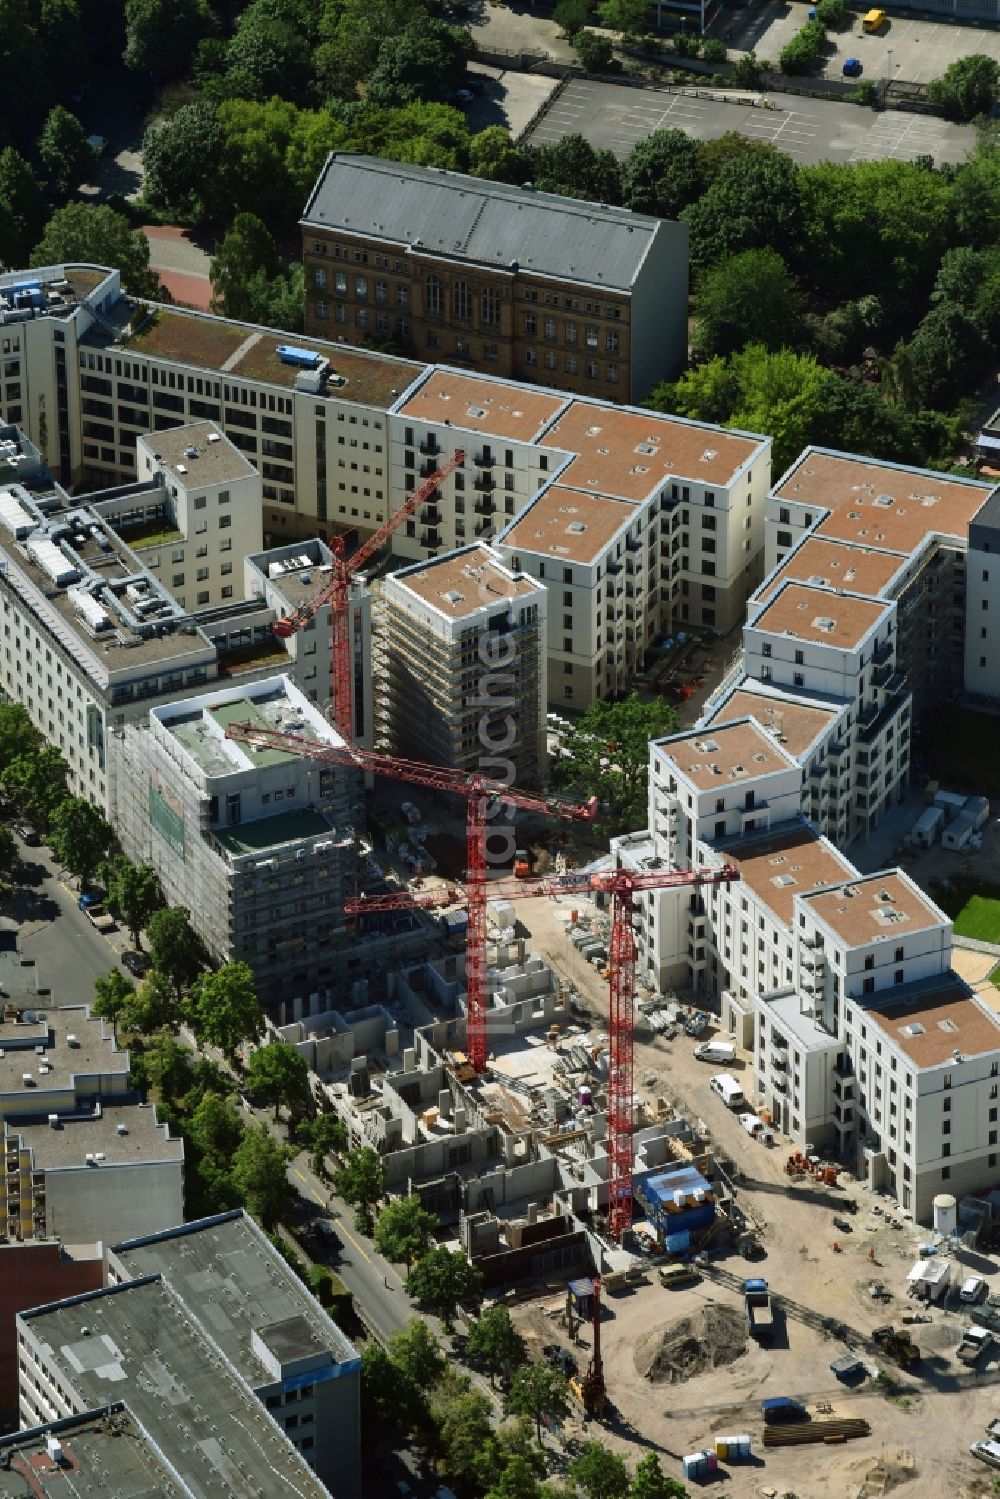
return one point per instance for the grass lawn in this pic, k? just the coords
(979, 918)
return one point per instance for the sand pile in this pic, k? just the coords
(713, 1337)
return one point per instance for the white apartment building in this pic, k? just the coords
(258, 845)
(462, 666)
(982, 636)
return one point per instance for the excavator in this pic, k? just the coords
(898, 1345)
(589, 1388)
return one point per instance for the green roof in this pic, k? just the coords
(269, 832)
(245, 711)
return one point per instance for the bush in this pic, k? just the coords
(571, 15)
(805, 49)
(865, 93)
(714, 50)
(746, 71)
(686, 46)
(832, 14)
(594, 51)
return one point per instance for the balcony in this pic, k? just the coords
(485, 507)
(427, 469)
(430, 447)
(882, 652)
(881, 673)
(484, 483)
(484, 460)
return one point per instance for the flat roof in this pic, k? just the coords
(245, 350)
(104, 1452)
(92, 1053)
(271, 832)
(140, 1344)
(794, 724)
(203, 450)
(832, 564)
(879, 504)
(437, 212)
(629, 453)
(779, 867)
(73, 1139)
(199, 724)
(230, 1277)
(569, 524)
(787, 1009)
(930, 1028)
(461, 584)
(820, 616)
(714, 759)
(868, 907)
(498, 408)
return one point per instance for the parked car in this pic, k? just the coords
(137, 963)
(853, 67)
(972, 1289)
(27, 834)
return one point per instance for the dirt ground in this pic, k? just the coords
(926, 1433)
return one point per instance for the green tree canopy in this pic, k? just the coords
(418, 1353)
(540, 1392)
(462, 1418)
(260, 1176)
(162, 35)
(393, 1406)
(279, 1074)
(112, 993)
(572, 15)
(495, 1342)
(425, 60)
(572, 167)
(752, 202)
(600, 1473)
(37, 783)
(244, 266)
(268, 56)
(967, 87)
(67, 157)
(180, 156)
(168, 1065)
(403, 1230)
(492, 154)
(947, 353)
(224, 1008)
(595, 51)
(25, 89)
(323, 1135)
(361, 1180)
(175, 947)
(134, 893)
(749, 298)
(606, 754)
(153, 1005)
(94, 234)
(630, 17)
(9, 854)
(18, 735)
(650, 1482)
(80, 837)
(67, 60)
(443, 1280)
(216, 1128)
(660, 175)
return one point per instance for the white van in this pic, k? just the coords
(728, 1090)
(716, 1051)
(972, 1289)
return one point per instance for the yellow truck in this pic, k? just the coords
(873, 21)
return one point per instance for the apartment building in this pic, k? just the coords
(82, 1157)
(462, 666)
(982, 659)
(263, 1321)
(258, 844)
(522, 284)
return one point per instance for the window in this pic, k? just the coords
(570, 333)
(320, 277)
(434, 296)
(491, 307)
(461, 301)
(611, 341)
(361, 286)
(225, 521)
(530, 326)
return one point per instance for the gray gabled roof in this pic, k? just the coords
(464, 218)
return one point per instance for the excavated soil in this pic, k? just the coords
(712, 1337)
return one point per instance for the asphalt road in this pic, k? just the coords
(615, 117)
(67, 950)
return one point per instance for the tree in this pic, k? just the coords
(805, 49)
(650, 1482)
(426, 60)
(80, 837)
(168, 1065)
(66, 155)
(216, 1128)
(22, 67)
(67, 62)
(967, 88)
(539, 1391)
(9, 854)
(571, 16)
(268, 57)
(418, 1353)
(403, 1230)
(492, 154)
(323, 1135)
(462, 1417)
(594, 51)
(175, 947)
(259, 1174)
(361, 1180)
(18, 735)
(134, 894)
(443, 1280)
(112, 993)
(749, 298)
(752, 202)
(947, 353)
(94, 234)
(23, 209)
(517, 1480)
(152, 1007)
(600, 1473)
(630, 17)
(279, 1074)
(243, 266)
(393, 1406)
(180, 157)
(746, 71)
(37, 783)
(495, 1342)
(660, 175)
(224, 1009)
(606, 754)
(161, 35)
(572, 167)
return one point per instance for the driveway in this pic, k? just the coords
(182, 265)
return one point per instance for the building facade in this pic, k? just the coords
(521, 284)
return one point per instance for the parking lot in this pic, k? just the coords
(920, 50)
(810, 130)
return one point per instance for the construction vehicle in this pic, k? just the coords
(759, 1313)
(976, 1341)
(93, 908)
(337, 593)
(897, 1345)
(522, 864)
(589, 1388)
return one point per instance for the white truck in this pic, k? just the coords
(976, 1343)
(728, 1089)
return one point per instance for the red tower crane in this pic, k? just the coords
(479, 791)
(337, 593)
(621, 885)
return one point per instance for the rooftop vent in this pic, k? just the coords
(825, 623)
(913, 1029)
(214, 437)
